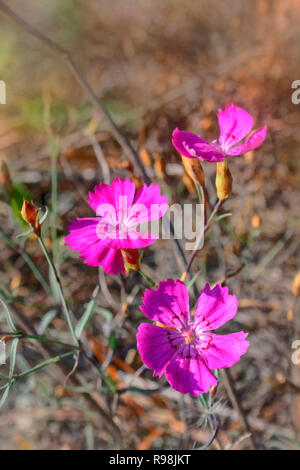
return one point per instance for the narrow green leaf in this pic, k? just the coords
(112, 340)
(46, 320)
(44, 216)
(8, 316)
(54, 285)
(89, 436)
(87, 314)
(4, 395)
(24, 234)
(193, 280)
(46, 363)
(223, 216)
(12, 357)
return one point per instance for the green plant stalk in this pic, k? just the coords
(109, 382)
(148, 278)
(54, 154)
(59, 289)
(53, 360)
(28, 260)
(35, 271)
(44, 339)
(202, 199)
(197, 244)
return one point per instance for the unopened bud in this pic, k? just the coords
(146, 157)
(29, 212)
(131, 258)
(160, 166)
(223, 180)
(37, 228)
(194, 169)
(5, 178)
(296, 285)
(6, 339)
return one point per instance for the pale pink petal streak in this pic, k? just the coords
(254, 141)
(147, 205)
(225, 350)
(192, 145)
(215, 307)
(235, 123)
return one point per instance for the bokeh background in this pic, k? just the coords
(154, 65)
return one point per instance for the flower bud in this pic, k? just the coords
(29, 212)
(131, 258)
(194, 169)
(5, 178)
(160, 166)
(213, 390)
(37, 228)
(296, 285)
(223, 180)
(146, 157)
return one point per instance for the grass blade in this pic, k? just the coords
(8, 316)
(87, 314)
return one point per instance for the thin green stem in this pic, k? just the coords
(53, 360)
(44, 339)
(59, 288)
(28, 260)
(34, 269)
(198, 241)
(54, 154)
(148, 278)
(107, 380)
(202, 199)
(11, 333)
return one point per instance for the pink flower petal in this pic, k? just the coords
(148, 204)
(124, 238)
(254, 141)
(225, 350)
(189, 375)
(119, 195)
(83, 238)
(155, 346)
(235, 123)
(82, 233)
(168, 304)
(191, 145)
(110, 259)
(136, 239)
(215, 307)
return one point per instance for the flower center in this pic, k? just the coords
(189, 337)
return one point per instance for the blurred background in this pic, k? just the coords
(154, 65)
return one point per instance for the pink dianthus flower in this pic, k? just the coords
(185, 349)
(119, 210)
(235, 124)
